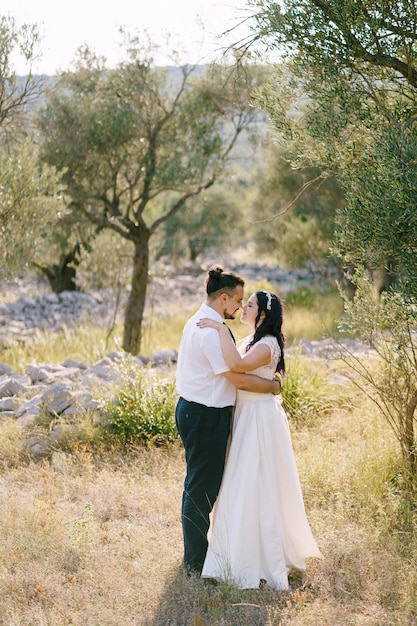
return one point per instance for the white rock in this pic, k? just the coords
(9, 404)
(57, 398)
(37, 446)
(12, 385)
(31, 407)
(78, 364)
(6, 369)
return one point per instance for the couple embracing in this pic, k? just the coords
(259, 529)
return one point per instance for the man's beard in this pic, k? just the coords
(228, 316)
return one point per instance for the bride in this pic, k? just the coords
(260, 530)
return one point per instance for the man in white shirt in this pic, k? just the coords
(207, 393)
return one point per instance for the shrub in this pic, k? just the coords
(303, 298)
(305, 393)
(143, 411)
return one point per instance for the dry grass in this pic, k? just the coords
(94, 542)
(161, 330)
(88, 544)
(90, 540)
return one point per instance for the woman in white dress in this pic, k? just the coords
(260, 530)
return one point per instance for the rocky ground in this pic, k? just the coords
(26, 306)
(63, 390)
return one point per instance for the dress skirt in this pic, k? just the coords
(260, 530)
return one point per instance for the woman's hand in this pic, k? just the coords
(206, 322)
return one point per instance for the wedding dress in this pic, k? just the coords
(260, 529)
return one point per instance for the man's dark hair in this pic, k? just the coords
(219, 281)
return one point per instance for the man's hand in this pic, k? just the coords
(277, 385)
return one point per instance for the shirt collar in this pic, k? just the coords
(207, 311)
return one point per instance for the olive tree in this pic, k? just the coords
(210, 222)
(302, 235)
(17, 93)
(26, 190)
(347, 85)
(387, 325)
(134, 144)
(345, 100)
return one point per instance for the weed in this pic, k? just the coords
(305, 392)
(143, 411)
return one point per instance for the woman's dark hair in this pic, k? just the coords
(218, 281)
(271, 305)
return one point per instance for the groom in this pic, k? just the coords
(207, 393)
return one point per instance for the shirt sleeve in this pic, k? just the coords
(212, 348)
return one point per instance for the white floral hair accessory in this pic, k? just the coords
(269, 299)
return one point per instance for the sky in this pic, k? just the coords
(194, 27)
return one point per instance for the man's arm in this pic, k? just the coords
(251, 382)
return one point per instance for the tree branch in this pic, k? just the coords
(379, 59)
(291, 204)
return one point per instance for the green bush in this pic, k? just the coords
(303, 297)
(305, 393)
(143, 411)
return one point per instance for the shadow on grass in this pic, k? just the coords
(191, 601)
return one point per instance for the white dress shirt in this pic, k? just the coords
(201, 364)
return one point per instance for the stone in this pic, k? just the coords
(37, 373)
(52, 373)
(78, 364)
(51, 298)
(82, 401)
(165, 357)
(6, 369)
(5, 415)
(37, 446)
(74, 387)
(57, 398)
(9, 404)
(30, 407)
(105, 369)
(56, 432)
(12, 385)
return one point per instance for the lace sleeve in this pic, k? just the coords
(272, 343)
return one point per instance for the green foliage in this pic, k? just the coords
(345, 102)
(293, 213)
(133, 145)
(208, 223)
(302, 298)
(17, 93)
(378, 227)
(302, 243)
(28, 206)
(387, 324)
(106, 263)
(27, 193)
(304, 391)
(143, 412)
(312, 314)
(355, 62)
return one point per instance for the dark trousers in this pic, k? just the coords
(204, 432)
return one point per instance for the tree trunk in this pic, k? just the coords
(386, 276)
(409, 437)
(132, 335)
(62, 276)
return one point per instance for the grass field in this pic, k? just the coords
(93, 539)
(91, 535)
